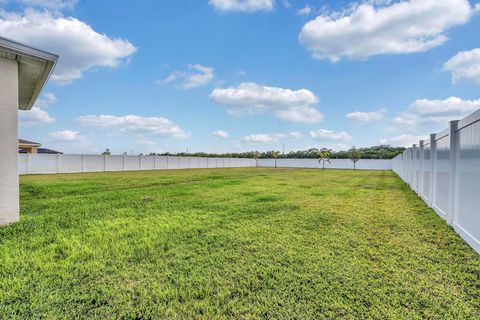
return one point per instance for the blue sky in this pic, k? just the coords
(233, 75)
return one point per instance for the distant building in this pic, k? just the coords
(48, 151)
(25, 146)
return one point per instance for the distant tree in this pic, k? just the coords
(377, 152)
(324, 156)
(354, 156)
(106, 152)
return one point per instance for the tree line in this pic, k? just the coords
(376, 152)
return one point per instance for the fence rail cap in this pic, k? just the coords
(471, 119)
(442, 134)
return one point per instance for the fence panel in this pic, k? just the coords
(374, 164)
(132, 163)
(161, 163)
(94, 163)
(212, 162)
(266, 162)
(442, 168)
(426, 171)
(42, 163)
(173, 162)
(363, 164)
(341, 164)
(202, 163)
(147, 163)
(183, 163)
(297, 163)
(70, 163)
(467, 185)
(114, 163)
(417, 168)
(450, 175)
(22, 163)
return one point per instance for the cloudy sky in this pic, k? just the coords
(235, 75)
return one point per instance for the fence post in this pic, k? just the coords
(167, 162)
(104, 163)
(433, 176)
(412, 169)
(123, 164)
(58, 162)
(140, 162)
(451, 173)
(28, 163)
(421, 167)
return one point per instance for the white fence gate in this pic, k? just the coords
(445, 171)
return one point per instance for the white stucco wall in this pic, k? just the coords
(9, 188)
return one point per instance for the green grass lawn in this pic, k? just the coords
(232, 243)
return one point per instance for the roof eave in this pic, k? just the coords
(35, 68)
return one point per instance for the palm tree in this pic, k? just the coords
(275, 155)
(324, 155)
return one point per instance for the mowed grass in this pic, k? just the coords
(232, 243)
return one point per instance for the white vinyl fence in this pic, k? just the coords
(78, 163)
(445, 171)
(69, 163)
(363, 164)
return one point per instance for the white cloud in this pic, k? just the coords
(48, 4)
(46, 100)
(133, 124)
(286, 4)
(36, 115)
(404, 140)
(242, 5)
(465, 65)
(285, 104)
(328, 135)
(67, 136)
(426, 112)
(365, 117)
(80, 47)
(368, 29)
(241, 73)
(273, 137)
(305, 11)
(220, 134)
(198, 76)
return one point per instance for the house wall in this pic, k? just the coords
(29, 149)
(9, 188)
